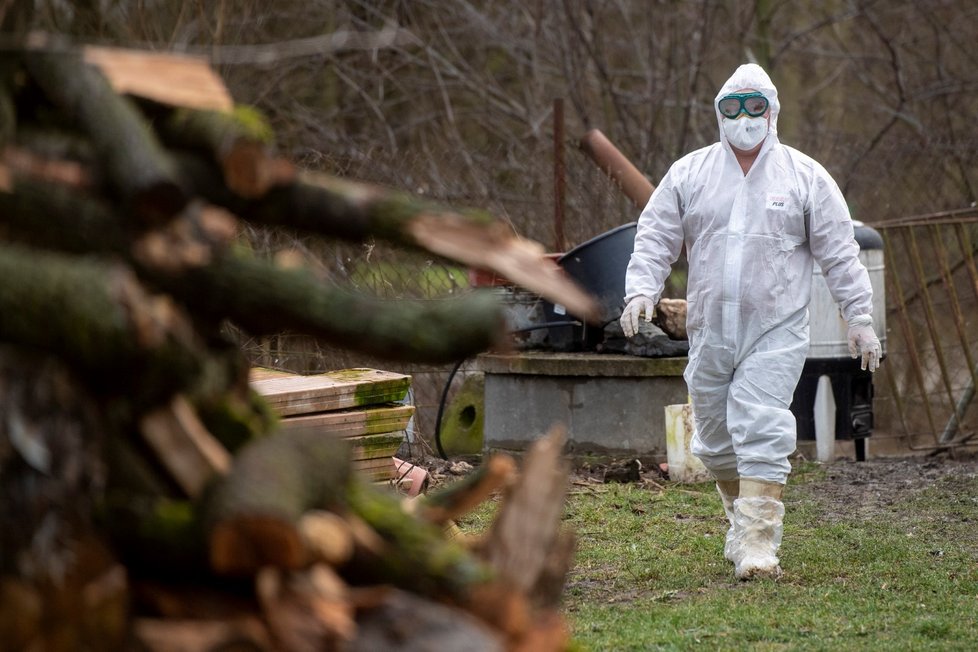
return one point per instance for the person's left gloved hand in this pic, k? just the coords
(863, 342)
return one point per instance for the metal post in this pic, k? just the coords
(559, 242)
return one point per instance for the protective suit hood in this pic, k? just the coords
(750, 75)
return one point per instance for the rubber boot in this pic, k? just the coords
(758, 527)
(729, 491)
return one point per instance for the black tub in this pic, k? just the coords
(598, 266)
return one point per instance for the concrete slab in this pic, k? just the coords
(612, 405)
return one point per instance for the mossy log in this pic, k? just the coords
(328, 206)
(134, 161)
(239, 142)
(253, 514)
(417, 556)
(258, 295)
(265, 298)
(97, 316)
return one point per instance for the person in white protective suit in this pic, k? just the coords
(753, 214)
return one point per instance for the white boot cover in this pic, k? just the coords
(758, 527)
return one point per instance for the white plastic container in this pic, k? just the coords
(683, 465)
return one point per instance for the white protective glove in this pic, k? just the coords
(863, 342)
(634, 309)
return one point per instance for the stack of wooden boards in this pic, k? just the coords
(359, 405)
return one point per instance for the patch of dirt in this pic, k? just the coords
(869, 489)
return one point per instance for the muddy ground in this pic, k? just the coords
(845, 487)
(868, 489)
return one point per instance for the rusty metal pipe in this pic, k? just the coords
(610, 159)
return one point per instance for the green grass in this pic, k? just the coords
(418, 279)
(650, 573)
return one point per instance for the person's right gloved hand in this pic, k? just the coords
(864, 343)
(635, 308)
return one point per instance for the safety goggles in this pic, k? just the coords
(753, 104)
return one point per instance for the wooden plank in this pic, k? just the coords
(264, 373)
(352, 423)
(376, 446)
(374, 470)
(168, 78)
(334, 390)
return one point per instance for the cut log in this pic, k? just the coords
(155, 536)
(503, 606)
(253, 514)
(496, 248)
(524, 532)
(328, 537)
(98, 317)
(165, 77)
(135, 163)
(36, 211)
(290, 394)
(184, 446)
(417, 557)
(191, 239)
(239, 142)
(550, 583)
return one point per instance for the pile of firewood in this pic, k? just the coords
(147, 498)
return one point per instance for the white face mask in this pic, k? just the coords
(745, 133)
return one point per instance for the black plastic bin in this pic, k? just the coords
(598, 266)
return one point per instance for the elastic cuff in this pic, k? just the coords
(754, 487)
(861, 320)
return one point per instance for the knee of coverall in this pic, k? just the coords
(759, 418)
(708, 381)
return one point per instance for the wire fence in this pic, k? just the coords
(927, 384)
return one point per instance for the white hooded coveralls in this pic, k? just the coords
(750, 241)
